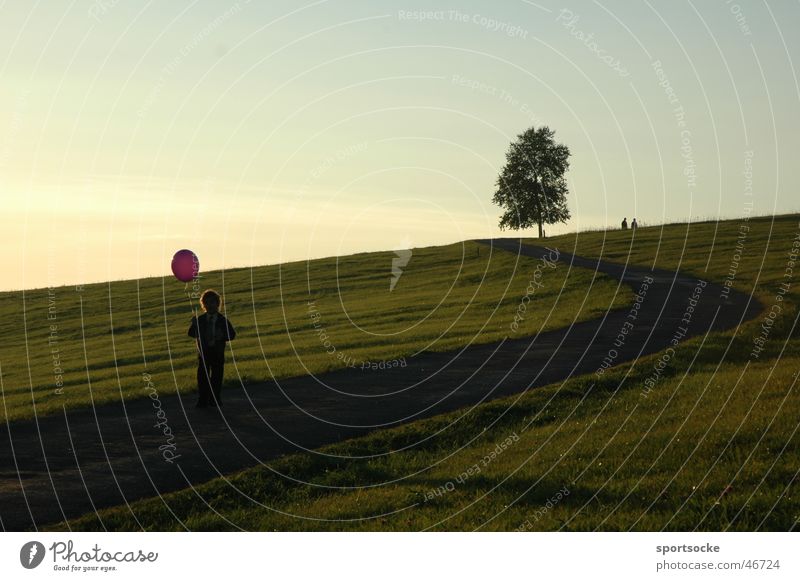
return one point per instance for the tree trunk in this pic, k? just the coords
(539, 198)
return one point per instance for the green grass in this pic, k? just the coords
(107, 335)
(714, 446)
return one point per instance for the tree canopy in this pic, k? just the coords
(531, 187)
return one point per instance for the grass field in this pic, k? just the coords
(106, 335)
(713, 447)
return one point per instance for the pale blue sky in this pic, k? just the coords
(257, 134)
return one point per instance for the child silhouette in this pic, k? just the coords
(212, 330)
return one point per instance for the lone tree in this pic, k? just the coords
(531, 187)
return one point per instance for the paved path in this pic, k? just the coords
(69, 464)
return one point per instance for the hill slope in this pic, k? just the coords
(704, 439)
(64, 348)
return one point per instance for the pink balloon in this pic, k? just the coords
(185, 265)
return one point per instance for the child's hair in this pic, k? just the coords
(210, 294)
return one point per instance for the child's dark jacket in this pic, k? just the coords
(199, 329)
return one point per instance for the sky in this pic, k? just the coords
(257, 133)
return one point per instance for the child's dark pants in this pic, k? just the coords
(210, 368)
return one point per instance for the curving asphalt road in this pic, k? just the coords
(82, 460)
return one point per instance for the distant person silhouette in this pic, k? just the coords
(634, 225)
(625, 223)
(212, 330)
